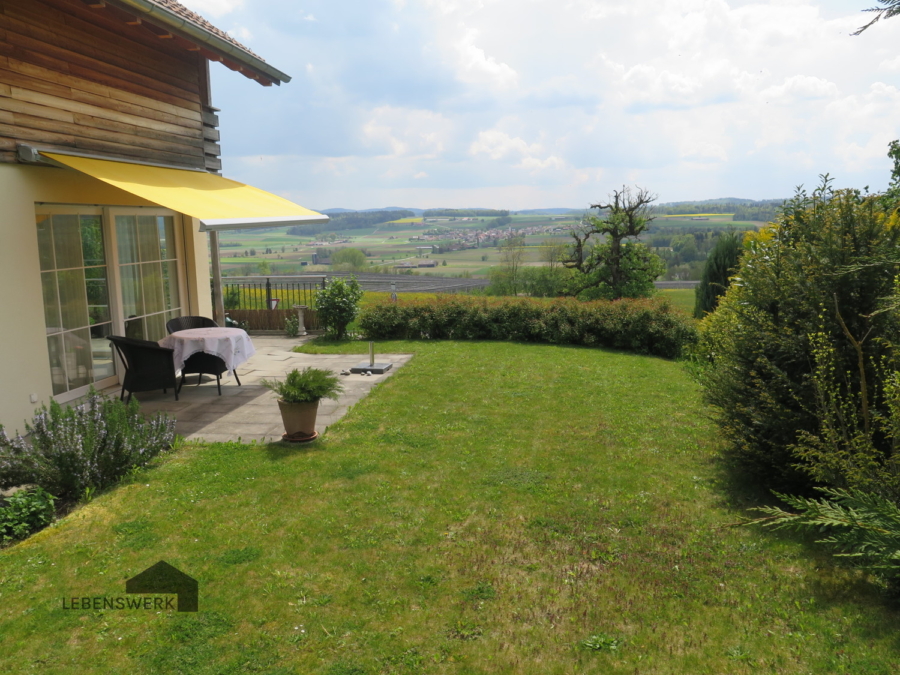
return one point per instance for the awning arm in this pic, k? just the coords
(218, 224)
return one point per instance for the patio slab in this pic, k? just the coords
(250, 412)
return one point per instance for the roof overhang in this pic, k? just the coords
(218, 203)
(188, 30)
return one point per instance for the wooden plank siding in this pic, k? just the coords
(77, 78)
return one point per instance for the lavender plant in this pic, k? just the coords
(90, 446)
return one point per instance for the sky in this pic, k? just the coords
(526, 104)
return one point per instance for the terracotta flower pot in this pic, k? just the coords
(299, 417)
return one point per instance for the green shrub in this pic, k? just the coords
(338, 304)
(830, 258)
(862, 528)
(292, 325)
(643, 326)
(306, 386)
(720, 266)
(87, 447)
(349, 258)
(25, 512)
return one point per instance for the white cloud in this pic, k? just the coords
(307, 17)
(541, 101)
(498, 144)
(241, 33)
(535, 164)
(401, 132)
(336, 166)
(213, 8)
(799, 87)
(892, 65)
(475, 66)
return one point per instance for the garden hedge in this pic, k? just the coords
(645, 326)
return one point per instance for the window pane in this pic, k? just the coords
(97, 294)
(156, 327)
(78, 357)
(126, 236)
(101, 352)
(67, 242)
(45, 243)
(72, 299)
(57, 368)
(148, 235)
(166, 226)
(51, 303)
(170, 285)
(132, 298)
(92, 241)
(153, 287)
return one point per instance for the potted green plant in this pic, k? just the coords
(299, 395)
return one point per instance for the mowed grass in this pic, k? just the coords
(681, 298)
(491, 508)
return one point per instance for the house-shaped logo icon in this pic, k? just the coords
(163, 578)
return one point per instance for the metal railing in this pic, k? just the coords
(282, 292)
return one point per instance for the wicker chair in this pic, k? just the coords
(200, 363)
(148, 366)
(188, 322)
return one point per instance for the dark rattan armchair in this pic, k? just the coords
(188, 322)
(148, 366)
(200, 363)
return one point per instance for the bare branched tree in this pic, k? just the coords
(627, 214)
(512, 255)
(889, 8)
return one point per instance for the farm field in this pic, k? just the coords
(394, 243)
(387, 244)
(469, 516)
(682, 298)
(717, 221)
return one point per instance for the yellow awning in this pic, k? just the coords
(219, 203)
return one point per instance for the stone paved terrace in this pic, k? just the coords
(250, 412)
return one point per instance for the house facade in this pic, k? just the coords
(109, 162)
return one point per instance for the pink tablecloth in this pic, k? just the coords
(232, 345)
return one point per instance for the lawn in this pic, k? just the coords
(681, 298)
(491, 508)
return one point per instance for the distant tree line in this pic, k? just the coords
(762, 212)
(685, 208)
(721, 206)
(351, 220)
(465, 213)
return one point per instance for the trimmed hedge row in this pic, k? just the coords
(645, 326)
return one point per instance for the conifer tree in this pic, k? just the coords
(720, 265)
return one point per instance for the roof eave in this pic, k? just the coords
(194, 32)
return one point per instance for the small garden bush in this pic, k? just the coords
(647, 326)
(292, 326)
(25, 512)
(87, 447)
(338, 304)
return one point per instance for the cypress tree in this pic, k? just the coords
(720, 265)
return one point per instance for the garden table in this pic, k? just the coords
(232, 345)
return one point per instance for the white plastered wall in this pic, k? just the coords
(24, 362)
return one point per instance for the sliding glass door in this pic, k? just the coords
(75, 283)
(104, 272)
(148, 272)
